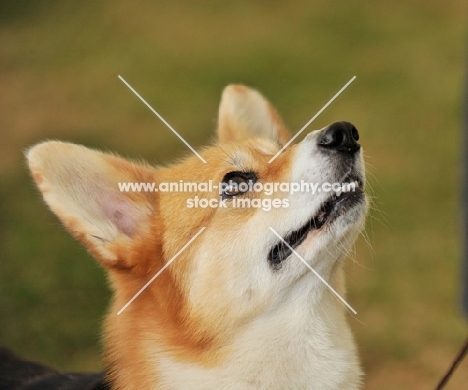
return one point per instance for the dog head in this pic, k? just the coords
(242, 264)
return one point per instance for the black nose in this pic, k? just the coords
(340, 136)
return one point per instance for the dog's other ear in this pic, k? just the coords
(244, 113)
(81, 186)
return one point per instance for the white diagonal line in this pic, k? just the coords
(313, 118)
(162, 119)
(161, 270)
(316, 273)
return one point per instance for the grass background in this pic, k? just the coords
(59, 62)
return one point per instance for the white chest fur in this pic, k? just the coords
(294, 347)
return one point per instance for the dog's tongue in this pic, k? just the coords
(323, 214)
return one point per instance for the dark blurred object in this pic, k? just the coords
(18, 374)
(458, 359)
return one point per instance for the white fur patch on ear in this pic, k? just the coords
(244, 113)
(81, 187)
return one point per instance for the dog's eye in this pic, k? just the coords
(237, 183)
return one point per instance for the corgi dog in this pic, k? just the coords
(236, 308)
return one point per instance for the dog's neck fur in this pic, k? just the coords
(302, 342)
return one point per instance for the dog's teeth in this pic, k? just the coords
(338, 193)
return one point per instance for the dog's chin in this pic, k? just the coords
(338, 214)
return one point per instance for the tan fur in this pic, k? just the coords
(243, 114)
(188, 314)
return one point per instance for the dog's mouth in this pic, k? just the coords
(351, 193)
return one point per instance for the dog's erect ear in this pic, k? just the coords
(81, 186)
(244, 113)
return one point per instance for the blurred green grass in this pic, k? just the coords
(59, 63)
